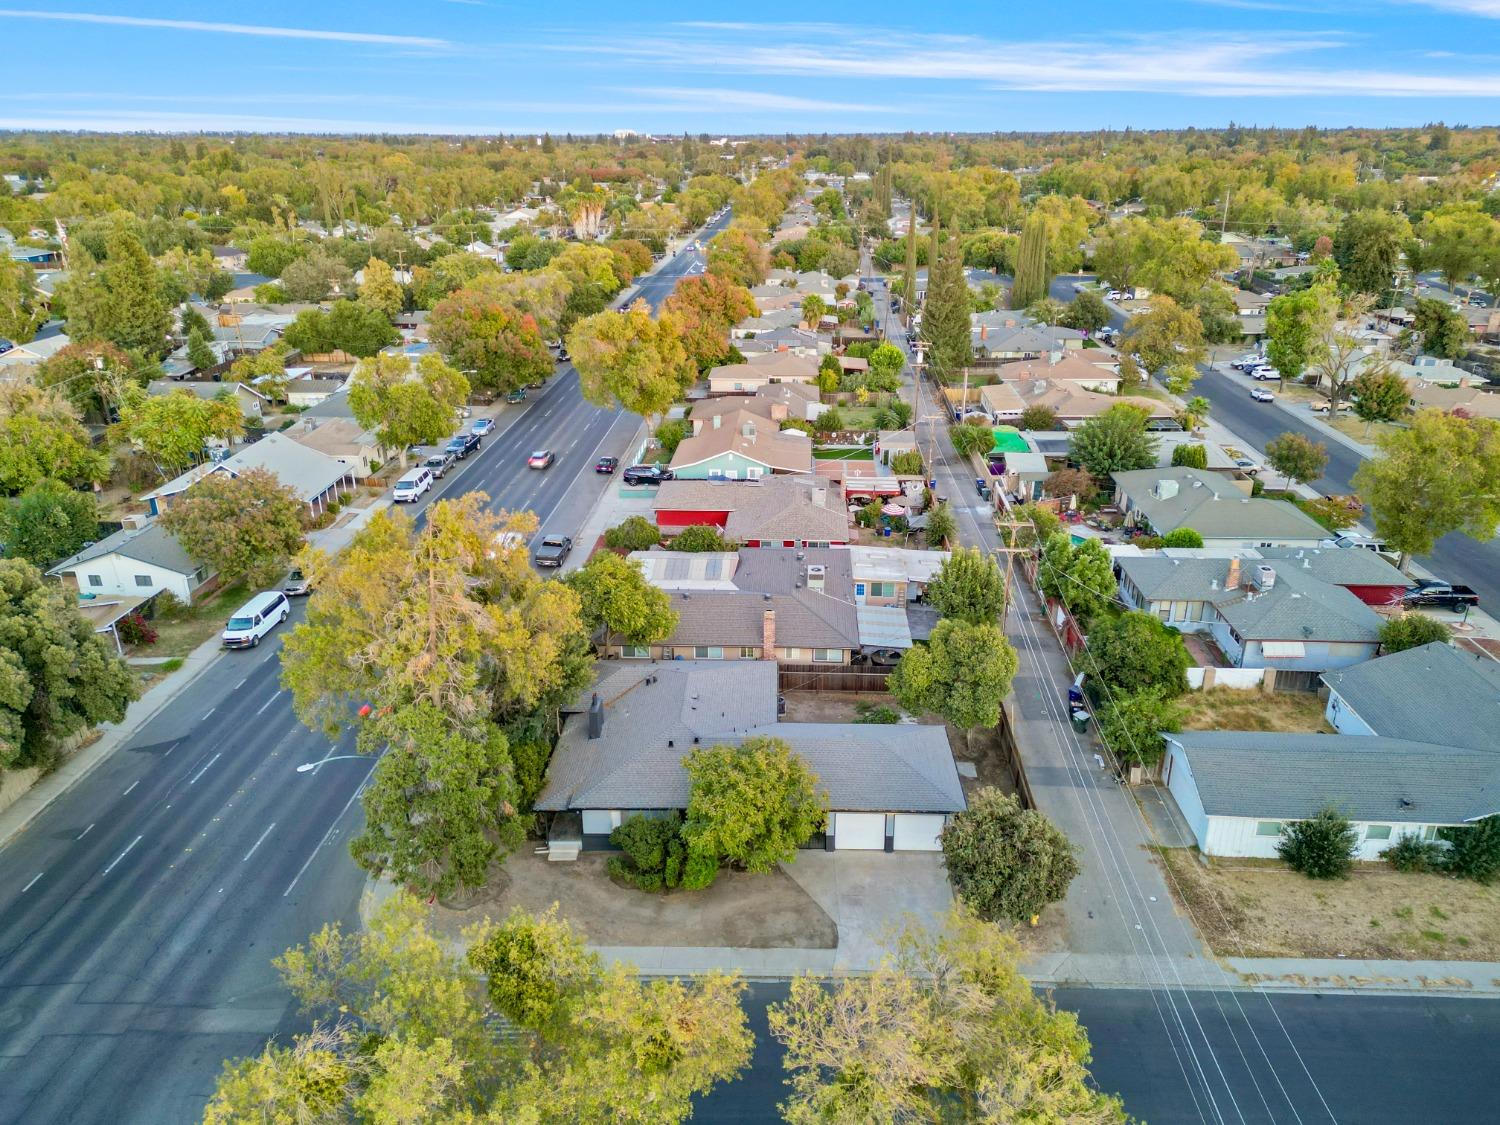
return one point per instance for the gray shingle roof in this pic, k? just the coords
(1433, 693)
(151, 544)
(1292, 776)
(1212, 505)
(901, 768)
(1343, 566)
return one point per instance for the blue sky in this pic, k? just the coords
(487, 66)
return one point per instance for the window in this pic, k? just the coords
(1268, 828)
(748, 653)
(815, 543)
(859, 589)
(96, 580)
(882, 589)
(143, 580)
(708, 652)
(635, 652)
(1429, 832)
(827, 656)
(1377, 832)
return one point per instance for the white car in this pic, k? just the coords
(1116, 295)
(1246, 362)
(1260, 394)
(1265, 371)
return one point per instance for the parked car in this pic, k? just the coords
(410, 487)
(517, 395)
(296, 584)
(880, 657)
(606, 464)
(439, 463)
(541, 459)
(465, 411)
(461, 445)
(1260, 394)
(255, 619)
(506, 542)
(1265, 371)
(1323, 408)
(552, 550)
(1116, 295)
(1246, 466)
(1440, 595)
(483, 428)
(647, 474)
(1246, 362)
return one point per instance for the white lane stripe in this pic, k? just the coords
(204, 770)
(122, 855)
(360, 788)
(268, 702)
(31, 884)
(259, 842)
(133, 784)
(241, 684)
(84, 833)
(209, 712)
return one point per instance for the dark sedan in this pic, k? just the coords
(606, 464)
(647, 474)
(462, 445)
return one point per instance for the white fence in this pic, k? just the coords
(1200, 678)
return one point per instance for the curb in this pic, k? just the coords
(49, 788)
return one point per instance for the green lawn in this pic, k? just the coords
(862, 453)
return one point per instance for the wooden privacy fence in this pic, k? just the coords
(831, 677)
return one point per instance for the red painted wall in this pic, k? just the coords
(690, 518)
(1377, 595)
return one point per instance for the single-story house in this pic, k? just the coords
(38, 350)
(1237, 790)
(798, 341)
(1074, 405)
(343, 439)
(1260, 614)
(315, 477)
(771, 511)
(37, 257)
(772, 604)
(620, 751)
(135, 562)
(1473, 401)
(775, 315)
(1363, 573)
(892, 576)
(1432, 693)
(762, 370)
(1215, 506)
(1024, 341)
(252, 403)
(1002, 402)
(741, 446)
(1071, 367)
(230, 258)
(776, 403)
(304, 387)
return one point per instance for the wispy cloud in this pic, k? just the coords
(721, 101)
(1206, 64)
(366, 37)
(1490, 9)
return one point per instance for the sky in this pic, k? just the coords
(490, 66)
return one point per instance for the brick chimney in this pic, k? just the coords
(984, 331)
(768, 635)
(1232, 579)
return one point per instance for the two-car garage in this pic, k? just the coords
(906, 832)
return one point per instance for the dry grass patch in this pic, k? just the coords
(181, 633)
(1248, 709)
(1260, 908)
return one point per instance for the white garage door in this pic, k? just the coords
(861, 830)
(918, 833)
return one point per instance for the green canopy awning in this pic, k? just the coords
(1008, 439)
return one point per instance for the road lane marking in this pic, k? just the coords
(122, 855)
(133, 784)
(209, 712)
(84, 833)
(258, 843)
(204, 770)
(241, 684)
(358, 789)
(31, 884)
(172, 747)
(268, 702)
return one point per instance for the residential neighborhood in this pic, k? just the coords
(815, 620)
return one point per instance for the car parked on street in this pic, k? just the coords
(439, 463)
(517, 395)
(552, 550)
(1265, 372)
(541, 459)
(606, 464)
(1247, 362)
(461, 445)
(1246, 466)
(647, 474)
(483, 427)
(296, 584)
(1260, 394)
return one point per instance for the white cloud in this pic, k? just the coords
(1490, 9)
(713, 100)
(227, 28)
(1205, 64)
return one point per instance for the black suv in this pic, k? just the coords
(462, 445)
(647, 474)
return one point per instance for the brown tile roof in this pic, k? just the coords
(772, 508)
(750, 436)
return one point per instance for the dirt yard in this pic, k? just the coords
(739, 910)
(838, 706)
(1259, 908)
(1239, 709)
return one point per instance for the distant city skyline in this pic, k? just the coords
(472, 66)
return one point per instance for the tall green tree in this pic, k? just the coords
(1032, 277)
(631, 359)
(1136, 652)
(962, 674)
(503, 348)
(42, 439)
(1081, 576)
(406, 403)
(615, 596)
(1439, 329)
(57, 678)
(1167, 334)
(49, 522)
(945, 313)
(1368, 247)
(173, 429)
(753, 804)
(119, 300)
(1087, 312)
(1006, 862)
(244, 527)
(380, 289)
(736, 256)
(969, 586)
(1296, 324)
(1379, 395)
(1114, 442)
(1297, 457)
(22, 311)
(1132, 725)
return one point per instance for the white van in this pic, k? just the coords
(255, 619)
(410, 487)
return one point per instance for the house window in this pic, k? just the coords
(753, 473)
(96, 580)
(1377, 832)
(143, 580)
(828, 656)
(708, 652)
(859, 589)
(748, 653)
(815, 543)
(635, 652)
(1268, 828)
(882, 589)
(1429, 832)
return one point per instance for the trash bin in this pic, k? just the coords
(1081, 721)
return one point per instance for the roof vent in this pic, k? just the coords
(1407, 803)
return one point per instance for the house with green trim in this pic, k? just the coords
(740, 445)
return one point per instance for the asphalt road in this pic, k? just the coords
(1372, 1059)
(1456, 557)
(139, 914)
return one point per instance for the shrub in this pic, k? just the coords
(1193, 456)
(908, 463)
(1182, 537)
(637, 533)
(1475, 852)
(1321, 847)
(669, 436)
(1411, 630)
(1006, 862)
(135, 630)
(699, 870)
(1412, 854)
(169, 607)
(876, 713)
(648, 843)
(699, 537)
